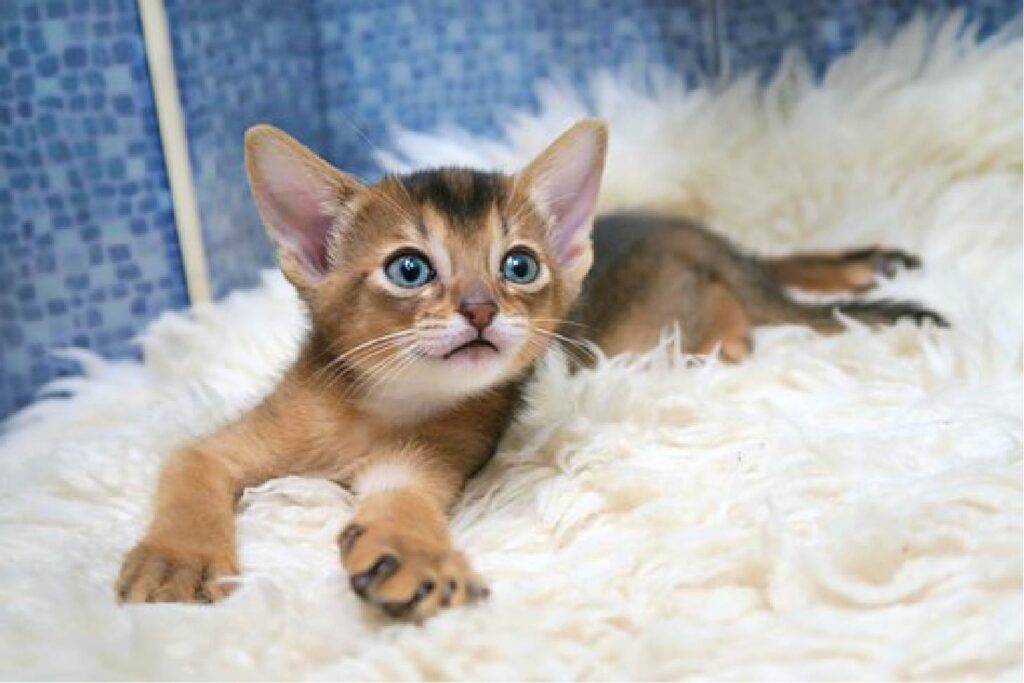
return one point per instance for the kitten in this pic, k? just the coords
(431, 296)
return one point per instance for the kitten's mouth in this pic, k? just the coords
(475, 348)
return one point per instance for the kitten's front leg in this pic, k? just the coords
(190, 545)
(397, 550)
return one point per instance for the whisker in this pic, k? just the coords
(574, 344)
(391, 203)
(574, 348)
(408, 358)
(574, 354)
(395, 366)
(363, 385)
(382, 340)
(559, 322)
(359, 131)
(398, 180)
(370, 145)
(351, 353)
(367, 355)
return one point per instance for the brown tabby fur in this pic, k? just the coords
(407, 451)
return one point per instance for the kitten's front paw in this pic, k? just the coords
(154, 572)
(404, 574)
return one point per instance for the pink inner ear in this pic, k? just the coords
(574, 219)
(568, 187)
(296, 204)
(298, 219)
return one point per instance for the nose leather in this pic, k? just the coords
(479, 315)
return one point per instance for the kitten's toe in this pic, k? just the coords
(883, 261)
(381, 569)
(889, 312)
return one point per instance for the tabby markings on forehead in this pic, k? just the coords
(460, 194)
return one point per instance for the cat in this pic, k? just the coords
(431, 295)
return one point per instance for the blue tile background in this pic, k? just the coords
(240, 63)
(88, 251)
(465, 62)
(753, 33)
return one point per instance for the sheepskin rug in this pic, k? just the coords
(842, 507)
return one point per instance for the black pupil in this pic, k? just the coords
(519, 266)
(410, 268)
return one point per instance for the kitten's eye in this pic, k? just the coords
(409, 270)
(520, 268)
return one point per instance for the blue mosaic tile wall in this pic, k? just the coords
(88, 250)
(465, 62)
(240, 63)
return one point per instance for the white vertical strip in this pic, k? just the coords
(157, 39)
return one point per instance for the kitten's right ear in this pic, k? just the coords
(564, 181)
(300, 198)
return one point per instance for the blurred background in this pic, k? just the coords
(89, 248)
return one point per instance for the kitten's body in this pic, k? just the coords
(404, 386)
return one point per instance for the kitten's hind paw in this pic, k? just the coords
(889, 312)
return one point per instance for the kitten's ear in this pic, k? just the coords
(563, 181)
(300, 198)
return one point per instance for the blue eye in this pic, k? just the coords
(520, 268)
(409, 271)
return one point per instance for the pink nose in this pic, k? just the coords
(479, 315)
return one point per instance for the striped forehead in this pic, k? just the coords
(464, 198)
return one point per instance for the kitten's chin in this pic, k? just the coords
(432, 384)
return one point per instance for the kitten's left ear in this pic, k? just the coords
(563, 181)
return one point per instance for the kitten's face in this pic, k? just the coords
(440, 283)
(451, 274)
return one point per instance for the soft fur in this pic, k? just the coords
(842, 507)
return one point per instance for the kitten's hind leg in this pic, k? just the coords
(727, 325)
(665, 289)
(855, 270)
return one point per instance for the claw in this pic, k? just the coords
(384, 567)
(348, 536)
(477, 591)
(887, 262)
(423, 590)
(395, 610)
(449, 590)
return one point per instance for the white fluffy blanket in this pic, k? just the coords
(836, 507)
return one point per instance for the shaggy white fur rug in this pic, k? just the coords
(837, 507)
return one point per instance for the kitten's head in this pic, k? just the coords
(438, 283)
